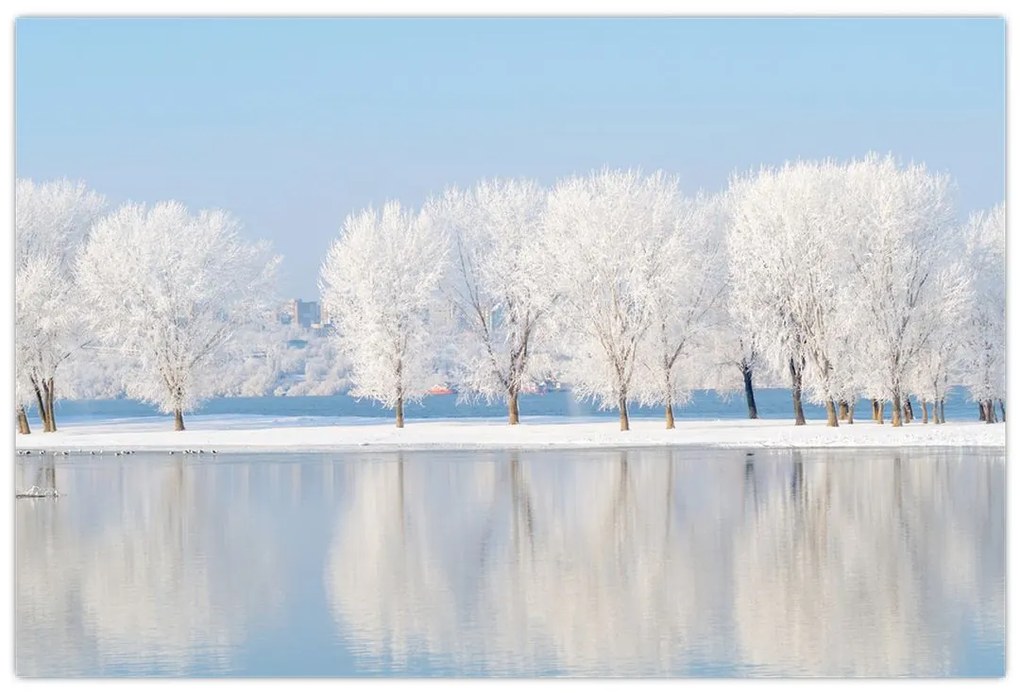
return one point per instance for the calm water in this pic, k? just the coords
(704, 404)
(584, 563)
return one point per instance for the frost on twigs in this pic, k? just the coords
(983, 355)
(171, 292)
(848, 275)
(685, 297)
(52, 221)
(380, 282)
(611, 229)
(499, 286)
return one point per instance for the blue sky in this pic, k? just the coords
(294, 123)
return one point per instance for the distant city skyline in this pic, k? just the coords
(292, 124)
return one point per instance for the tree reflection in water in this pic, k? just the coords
(662, 562)
(609, 562)
(155, 563)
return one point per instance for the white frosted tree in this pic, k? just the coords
(609, 231)
(683, 300)
(96, 373)
(170, 291)
(381, 284)
(314, 365)
(257, 361)
(499, 286)
(983, 370)
(791, 274)
(900, 242)
(933, 371)
(730, 359)
(52, 220)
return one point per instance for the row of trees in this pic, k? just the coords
(843, 280)
(851, 279)
(174, 299)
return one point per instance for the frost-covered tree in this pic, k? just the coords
(933, 371)
(97, 373)
(170, 290)
(51, 220)
(499, 286)
(791, 274)
(313, 365)
(984, 350)
(381, 283)
(730, 359)
(683, 298)
(610, 230)
(900, 243)
(257, 364)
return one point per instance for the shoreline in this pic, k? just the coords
(275, 434)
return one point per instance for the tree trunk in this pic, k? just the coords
(670, 424)
(908, 409)
(178, 420)
(50, 396)
(924, 411)
(830, 414)
(624, 419)
(1002, 408)
(513, 411)
(989, 411)
(844, 410)
(881, 411)
(40, 404)
(875, 411)
(850, 412)
(942, 410)
(981, 410)
(752, 408)
(897, 410)
(23, 426)
(400, 411)
(798, 410)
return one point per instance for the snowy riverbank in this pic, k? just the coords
(254, 433)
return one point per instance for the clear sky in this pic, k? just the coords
(294, 123)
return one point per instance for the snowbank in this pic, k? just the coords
(236, 433)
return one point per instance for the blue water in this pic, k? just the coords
(687, 562)
(705, 404)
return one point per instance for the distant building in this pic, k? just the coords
(311, 315)
(303, 313)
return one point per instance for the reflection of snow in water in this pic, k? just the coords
(631, 563)
(148, 582)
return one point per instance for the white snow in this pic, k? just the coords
(265, 433)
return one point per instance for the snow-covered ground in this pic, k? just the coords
(254, 433)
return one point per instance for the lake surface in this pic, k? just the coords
(774, 403)
(679, 562)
